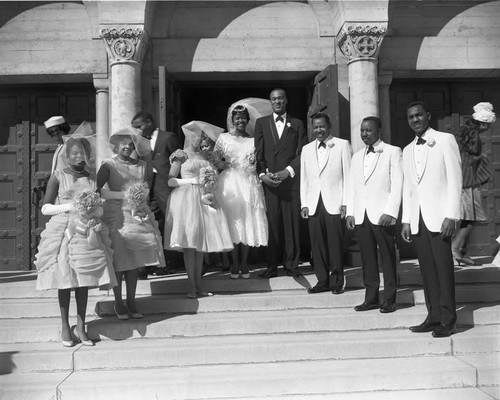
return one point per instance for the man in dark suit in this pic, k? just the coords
(278, 143)
(163, 144)
(431, 209)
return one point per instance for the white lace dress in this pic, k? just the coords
(240, 191)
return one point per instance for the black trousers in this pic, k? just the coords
(437, 270)
(327, 246)
(283, 215)
(370, 237)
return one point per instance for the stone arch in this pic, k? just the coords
(233, 36)
(50, 41)
(418, 30)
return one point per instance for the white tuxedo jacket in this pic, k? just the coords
(329, 179)
(436, 192)
(380, 191)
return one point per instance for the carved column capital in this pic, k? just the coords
(361, 40)
(125, 44)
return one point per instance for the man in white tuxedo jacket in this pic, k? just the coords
(324, 169)
(431, 209)
(373, 199)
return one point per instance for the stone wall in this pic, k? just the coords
(47, 42)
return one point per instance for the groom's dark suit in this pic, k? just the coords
(283, 202)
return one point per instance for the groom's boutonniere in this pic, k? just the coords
(288, 125)
(431, 142)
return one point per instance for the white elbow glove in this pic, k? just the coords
(182, 182)
(52, 209)
(111, 195)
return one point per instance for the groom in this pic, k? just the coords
(278, 143)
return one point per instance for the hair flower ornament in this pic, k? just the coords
(431, 142)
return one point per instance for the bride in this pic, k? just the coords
(240, 191)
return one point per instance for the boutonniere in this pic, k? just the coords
(288, 125)
(379, 150)
(431, 142)
(330, 143)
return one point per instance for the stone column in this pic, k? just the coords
(126, 46)
(101, 84)
(360, 44)
(384, 98)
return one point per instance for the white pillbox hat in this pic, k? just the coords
(53, 121)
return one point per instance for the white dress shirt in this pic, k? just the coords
(280, 125)
(152, 143)
(370, 159)
(420, 152)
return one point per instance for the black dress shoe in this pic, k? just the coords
(318, 289)
(366, 306)
(387, 308)
(426, 326)
(293, 272)
(269, 273)
(337, 290)
(444, 330)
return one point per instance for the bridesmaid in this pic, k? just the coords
(195, 224)
(74, 252)
(134, 232)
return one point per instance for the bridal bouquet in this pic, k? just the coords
(208, 180)
(88, 210)
(136, 196)
(218, 159)
(250, 162)
(178, 155)
(87, 205)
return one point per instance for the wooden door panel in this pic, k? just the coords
(325, 99)
(14, 185)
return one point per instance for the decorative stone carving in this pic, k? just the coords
(361, 40)
(125, 44)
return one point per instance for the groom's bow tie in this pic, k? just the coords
(279, 118)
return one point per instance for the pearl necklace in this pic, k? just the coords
(76, 171)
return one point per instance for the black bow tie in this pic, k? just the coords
(321, 144)
(420, 141)
(279, 118)
(370, 149)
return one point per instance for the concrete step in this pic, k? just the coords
(275, 379)
(103, 304)
(409, 273)
(44, 307)
(241, 349)
(22, 285)
(426, 394)
(34, 386)
(238, 323)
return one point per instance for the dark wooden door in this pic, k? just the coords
(325, 99)
(25, 161)
(169, 102)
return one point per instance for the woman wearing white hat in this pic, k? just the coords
(134, 232)
(476, 171)
(194, 223)
(57, 127)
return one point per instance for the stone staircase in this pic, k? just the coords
(255, 339)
